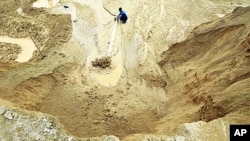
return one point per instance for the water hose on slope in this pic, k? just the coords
(112, 39)
(105, 62)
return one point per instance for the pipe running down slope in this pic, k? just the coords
(112, 39)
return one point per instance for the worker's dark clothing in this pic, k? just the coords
(122, 16)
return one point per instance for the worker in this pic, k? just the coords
(122, 16)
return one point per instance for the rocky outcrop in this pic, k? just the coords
(18, 124)
(216, 130)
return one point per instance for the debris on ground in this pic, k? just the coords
(103, 62)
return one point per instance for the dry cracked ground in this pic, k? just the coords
(177, 70)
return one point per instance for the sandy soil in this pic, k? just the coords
(45, 3)
(27, 46)
(169, 65)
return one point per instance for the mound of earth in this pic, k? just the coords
(103, 62)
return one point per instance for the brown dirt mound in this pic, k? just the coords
(103, 62)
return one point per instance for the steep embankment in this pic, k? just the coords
(209, 73)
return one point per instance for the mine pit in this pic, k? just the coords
(167, 74)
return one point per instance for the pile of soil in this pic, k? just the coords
(103, 62)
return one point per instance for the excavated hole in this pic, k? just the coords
(90, 113)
